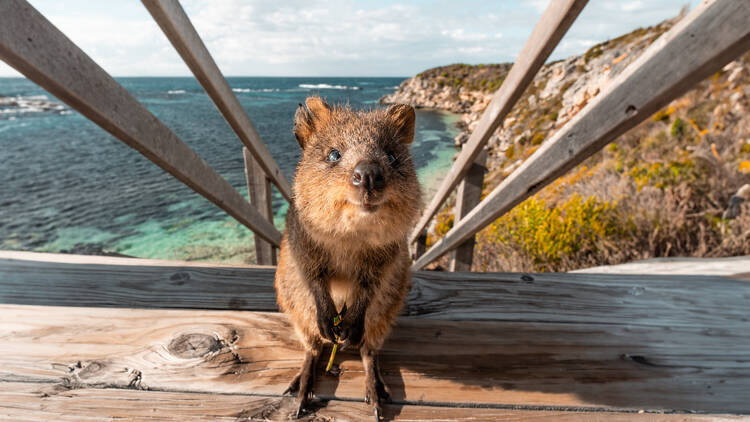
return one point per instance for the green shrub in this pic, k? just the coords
(678, 128)
(664, 175)
(550, 235)
(537, 139)
(510, 153)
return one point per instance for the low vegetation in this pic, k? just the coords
(659, 190)
(481, 77)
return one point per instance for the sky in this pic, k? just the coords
(337, 37)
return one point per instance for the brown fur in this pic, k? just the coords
(345, 244)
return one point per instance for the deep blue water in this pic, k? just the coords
(66, 184)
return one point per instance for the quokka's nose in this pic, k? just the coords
(368, 176)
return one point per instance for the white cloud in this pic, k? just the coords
(539, 5)
(336, 37)
(633, 5)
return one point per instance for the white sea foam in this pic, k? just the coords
(327, 86)
(176, 91)
(29, 104)
(246, 90)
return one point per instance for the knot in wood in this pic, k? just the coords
(193, 345)
(91, 369)
(180, 277)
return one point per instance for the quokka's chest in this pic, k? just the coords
(340, 289)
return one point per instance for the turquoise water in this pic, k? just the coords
(67, 185)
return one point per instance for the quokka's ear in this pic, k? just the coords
(310, 117)
(402, 117)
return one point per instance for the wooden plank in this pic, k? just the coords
(468, 195)
(727, 266)
(182, 34)
(600, 299)
(34, 47)
(80, 280)
(713, 34)
(259, 191)
(38, 402)
(553, 24)
(485, 363)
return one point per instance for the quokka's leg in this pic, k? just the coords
(303, 382)
(376, 392)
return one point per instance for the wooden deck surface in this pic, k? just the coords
(470, 346)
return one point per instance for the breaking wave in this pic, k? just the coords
(246, 90)
(327, 86)
(29, 104)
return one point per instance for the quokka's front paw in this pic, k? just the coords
(351, 332)
(326, 313)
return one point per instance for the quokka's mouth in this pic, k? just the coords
(370, 207)
(368, 202)
(367, 205)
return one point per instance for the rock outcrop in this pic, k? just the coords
(559, 91)
(661, 189)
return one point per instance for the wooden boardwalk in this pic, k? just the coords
(470, 346)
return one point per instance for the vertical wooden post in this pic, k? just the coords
(468, 195)
(420, 245)
(259, 190)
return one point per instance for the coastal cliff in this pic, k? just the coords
(659, 190)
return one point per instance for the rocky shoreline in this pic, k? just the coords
(661, 189)
(556, 94)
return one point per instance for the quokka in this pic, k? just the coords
(344, 252)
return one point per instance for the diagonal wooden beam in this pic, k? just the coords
(715, 33)
(182, 34)
(554, 23)
(34, 47)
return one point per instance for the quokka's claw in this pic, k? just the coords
(377, 414)
(293, 387)
(300, 410)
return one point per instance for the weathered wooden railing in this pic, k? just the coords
(34, 47)
(712, 35)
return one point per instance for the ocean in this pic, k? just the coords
(66, 185)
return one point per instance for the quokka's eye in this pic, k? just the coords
(334, 156)
(392, 160)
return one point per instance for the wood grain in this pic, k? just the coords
(553, 24)
(712, 35)
(594, 299)
(182, 34)
(259, 192)
(32, 402)
(468, 195)
(81, 280)
(562, 365)
(34, 47)
(727, 266)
